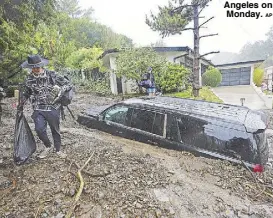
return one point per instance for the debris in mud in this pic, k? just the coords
(240, 181)
(4, 182)
(124, 179)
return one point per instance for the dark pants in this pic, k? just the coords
(41, 118)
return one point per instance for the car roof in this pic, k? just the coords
(228, 112)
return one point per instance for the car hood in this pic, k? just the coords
(96, 110)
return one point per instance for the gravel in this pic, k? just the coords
(124, 178)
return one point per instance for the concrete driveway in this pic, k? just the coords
(232, 95)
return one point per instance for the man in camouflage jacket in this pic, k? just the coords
(42, 87)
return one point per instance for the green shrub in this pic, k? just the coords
(101, 87)
(212, 77)
(258, 76)
(173, 78)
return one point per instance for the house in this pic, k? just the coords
(233, 74)
(180, 55)
(239, 73)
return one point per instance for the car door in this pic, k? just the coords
(182, 132)
(114, 120)
(147, 126)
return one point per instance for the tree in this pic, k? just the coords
(173, 78)
(31, 11)
(16, 33)
(86, 59)
(258, 50)
(132, 63)
(107, 38)
(87, 33)
(72, 8)
(159, 43)
(36, 26)
(173, 19)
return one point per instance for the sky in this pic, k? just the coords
(128, 17)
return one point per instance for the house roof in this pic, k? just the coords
(239, 63)
(157, 49)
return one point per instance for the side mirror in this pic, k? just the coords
(100, 117)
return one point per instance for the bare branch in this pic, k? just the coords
(184, 6)
(193, 17)
(203, 8)
(188, 29)
(205, 22)
(181, 7)
(208, 35)
(213, 52)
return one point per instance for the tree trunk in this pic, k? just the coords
(195, 82)
(140, 90)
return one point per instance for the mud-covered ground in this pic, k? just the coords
(124, 178)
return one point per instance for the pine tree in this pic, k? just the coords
(174, 19)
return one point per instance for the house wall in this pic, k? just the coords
(113, 78)
(268, 76)
(182, 59)
(127, 85)
(171, 55)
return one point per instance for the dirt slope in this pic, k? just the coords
(124, 178)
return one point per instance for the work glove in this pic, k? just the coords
(65, 88)
(56, 90)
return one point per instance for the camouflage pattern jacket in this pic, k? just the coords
(42, 90)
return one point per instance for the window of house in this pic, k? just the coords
(189, 63)
(203, 68)
(117, 114)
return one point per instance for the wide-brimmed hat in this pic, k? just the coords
(34, 61)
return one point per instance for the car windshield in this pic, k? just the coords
(117, 114)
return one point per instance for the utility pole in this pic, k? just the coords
(196, 27)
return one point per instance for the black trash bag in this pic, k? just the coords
(24, 141)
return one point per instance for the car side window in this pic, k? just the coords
(142, 119)
(172, 128)
(191, 130)
(117, 114)
(158, 126)
(148, 121)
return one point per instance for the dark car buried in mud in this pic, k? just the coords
(222, 131)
